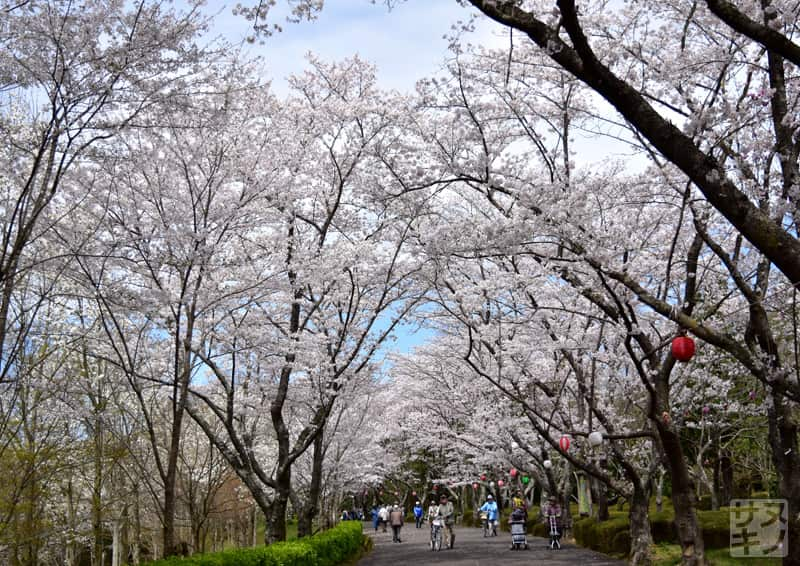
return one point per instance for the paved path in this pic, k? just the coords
(472, 549)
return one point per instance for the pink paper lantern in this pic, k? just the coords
(564, 443)
(499, 483)
(513, 472)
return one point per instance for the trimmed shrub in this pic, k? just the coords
(613, 536)
(327, 548)
(716, 527)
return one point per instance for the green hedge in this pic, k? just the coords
(613, 536)
(328, 548)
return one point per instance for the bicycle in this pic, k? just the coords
(436, 533)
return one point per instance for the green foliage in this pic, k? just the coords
(328, 548)
(613, 536)
(670, 555)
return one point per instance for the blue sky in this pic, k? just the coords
(405, 43)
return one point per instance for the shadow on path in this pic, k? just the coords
(472, 549)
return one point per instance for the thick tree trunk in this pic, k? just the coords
(276, 514)
(180, 392)
(602, 496)
(684, 499)
(305, 519)
(783, 432)
(641, 537)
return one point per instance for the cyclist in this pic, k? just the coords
(490, 508)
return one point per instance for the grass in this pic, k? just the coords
(670, 555)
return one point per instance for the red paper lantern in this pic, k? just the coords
(499, 483)
(682, 348)
(564, 443)
(475, 486)
(483, 477)
(513, 472)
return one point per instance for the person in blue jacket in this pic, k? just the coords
(418, 514)
(492, 512)
(375, 518)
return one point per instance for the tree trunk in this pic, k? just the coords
(566, 514)
(783, 432)
(137, 526)
(684, 499)
(276, 514)
(70, 550)
(602, 495)
(716, 487)
(97, 503)
(726, 480)
(306, 515)
(641, 537)
(116, 545)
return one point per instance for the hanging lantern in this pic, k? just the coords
(548, 464)
(483, 477)
(682, 348)
(491, 484)
(512, 472)
(595, 438)
(525, 480)
(499, 483)
(413, 494)
(475, 486)
(564, 443)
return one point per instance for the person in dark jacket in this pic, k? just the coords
(396, 521)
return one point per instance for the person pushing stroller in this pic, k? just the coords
(517, 521)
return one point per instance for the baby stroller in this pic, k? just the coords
(518, 538)
(555, 533)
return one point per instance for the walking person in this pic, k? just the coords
(383, 515)
(447, 511)
(418, 514)
(396, 520)
(375, 518)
